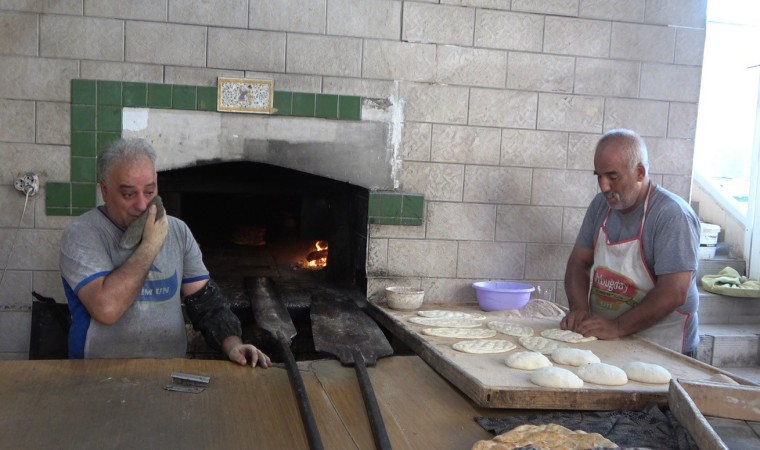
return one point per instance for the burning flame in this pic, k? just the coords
(318, 257)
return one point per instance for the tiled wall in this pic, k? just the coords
(96, 120)
(502, 104)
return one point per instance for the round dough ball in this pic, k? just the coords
(574, 356)
(527, 361)
(646, 372)
(555, 377)
(601, 373)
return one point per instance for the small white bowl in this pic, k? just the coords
(404, 298)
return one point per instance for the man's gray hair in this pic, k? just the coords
(123, 150)
(634, 145)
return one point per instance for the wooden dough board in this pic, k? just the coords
(489, 382)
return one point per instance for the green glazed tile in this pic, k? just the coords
(109, 93)
(303, 104)
(83, 169)
(327, 106)
(83, 118)
(53, 211)
(385, 220)
(407, 221)
(109, 118)
(412, 206)
(134, 94)
(107, 137)
(83, 195)
(83, 92)
(283, 103)
(58, 195)
(206, 98)
(159, 95)
(382, 204)
(84, 143)
(79, 211)
(349, 107)
(183, 97)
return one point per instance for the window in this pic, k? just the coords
(725, 146)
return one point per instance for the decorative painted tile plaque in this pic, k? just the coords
(242, 95)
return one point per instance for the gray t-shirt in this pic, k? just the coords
(154, 325)
(670, 239)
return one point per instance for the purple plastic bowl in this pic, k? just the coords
(500, 295)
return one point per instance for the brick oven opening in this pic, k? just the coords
(259, 220)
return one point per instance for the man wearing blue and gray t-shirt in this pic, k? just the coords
(127, 266)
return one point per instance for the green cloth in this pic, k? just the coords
(729, 282)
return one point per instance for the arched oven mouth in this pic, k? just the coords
(305, 233)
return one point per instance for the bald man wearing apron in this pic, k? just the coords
(633, 268)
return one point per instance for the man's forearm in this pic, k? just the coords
(576, 288)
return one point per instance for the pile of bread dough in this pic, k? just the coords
(549, 436)
(542, 352)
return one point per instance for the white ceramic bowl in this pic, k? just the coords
(404, 298)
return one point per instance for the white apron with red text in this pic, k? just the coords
(620, 280)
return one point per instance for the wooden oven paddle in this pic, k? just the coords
(271, 316)
(342, 329)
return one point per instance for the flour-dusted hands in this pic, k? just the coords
(247, 354)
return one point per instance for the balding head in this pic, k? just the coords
(629, 142)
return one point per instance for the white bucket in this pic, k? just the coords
(708, 234)
(707, 251)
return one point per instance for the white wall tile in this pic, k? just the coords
(643, 42)
(364, 18)
(534, 148)
(465, 145)
(488, 184)
(570, 113)
(246, 49)
(440, 24)
(323, 55)
(460, 221)
(17, 121)
(539, 72)
(510, 31)
(581, 37)
(182, 45)
(473, 67)
(670, 82)
(306, 16)
(491, 260)
(436, 181)
(503, 108)
(226, 13)
(18, 34)
(622, 10)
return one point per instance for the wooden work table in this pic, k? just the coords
(101, 404)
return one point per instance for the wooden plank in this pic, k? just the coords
(689, 416)
(420, 409)
(490, 383)
(102, 404)
(722, 400)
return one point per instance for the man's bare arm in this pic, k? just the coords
(107, 298)
(577, 279)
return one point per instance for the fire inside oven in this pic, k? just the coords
(305, 232)
(254, 219)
